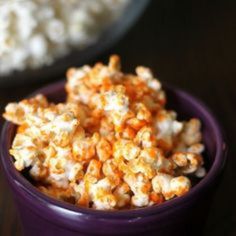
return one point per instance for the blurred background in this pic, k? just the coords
(190, 44)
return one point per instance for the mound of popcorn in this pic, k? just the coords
(34, 33)
(111, 145)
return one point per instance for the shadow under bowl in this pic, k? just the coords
(42, 215)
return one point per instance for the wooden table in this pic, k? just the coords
(191, 44)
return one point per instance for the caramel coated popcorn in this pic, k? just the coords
(111, 145)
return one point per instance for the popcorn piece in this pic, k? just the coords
(116, 100)
(84, 150)
(117, 105)
(146, 74)
(142, 112)
(61, 129)
(157, 160)
(94, 168)
(114, 63)
(17, 113)
(24, 151)
(200, 172)
(170, 186)
(197, 148)
(126, 149)
(191, 133)
(38, 171)
(188, 162)
(62, 169)
(140, 166)
(101, 195)
(161, 185)
(140, 200)
(180, 185)
(145, 137)
(104, 149)
(122, 195)
(82, 198)
(167, 128)
(140, 186)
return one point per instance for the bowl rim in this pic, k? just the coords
(23, 185)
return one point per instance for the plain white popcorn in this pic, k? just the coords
(34, 33)
(111, 145)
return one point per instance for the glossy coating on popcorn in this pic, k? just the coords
(111, 145)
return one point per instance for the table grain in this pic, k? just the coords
(191, 44)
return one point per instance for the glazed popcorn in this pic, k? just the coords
(34, 33)
(111, 145)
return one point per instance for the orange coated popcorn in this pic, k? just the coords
(111, 145)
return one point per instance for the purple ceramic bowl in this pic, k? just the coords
(42, 215)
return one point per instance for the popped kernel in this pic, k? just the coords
(122, 195)
(104, 150)
(170, 186)
(111, 145)
(188, 162)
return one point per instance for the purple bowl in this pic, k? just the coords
(42, 215)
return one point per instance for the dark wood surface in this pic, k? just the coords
(191, 44)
